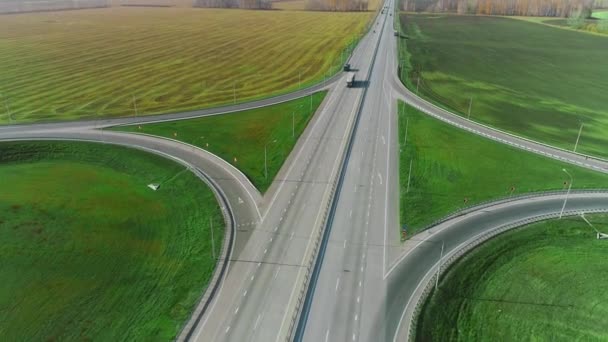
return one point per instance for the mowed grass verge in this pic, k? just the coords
(533, 80)
(541, 283)
(119, 61)
(453, 169)
(241, 138)
(89, 252)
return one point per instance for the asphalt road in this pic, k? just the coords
(423, 252)
(367, 276)
(261, 296)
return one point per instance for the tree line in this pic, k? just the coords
(541, 8)
(246, 4)
(337, 5)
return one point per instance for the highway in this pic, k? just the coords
(347, 157)
(367, 276)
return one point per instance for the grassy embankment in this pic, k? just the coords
(239, 138)
(542, 283)
(451, 166)
(533, 80)
(89, 252)
(89, 63)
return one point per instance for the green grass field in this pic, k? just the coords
(450, 166)
(105, 62)
(239, 138)
(533, 80)
(542, 283)
(89, 252)
(600, 14)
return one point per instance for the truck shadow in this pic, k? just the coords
(360, 84)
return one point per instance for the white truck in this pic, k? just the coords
(350, 79)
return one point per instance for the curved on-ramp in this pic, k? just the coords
(411, 277)
(237, 197)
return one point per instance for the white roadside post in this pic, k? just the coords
(409, 176)
(567, 193)
(212, 239)
(134, 105)
(439, 267)
(8, 111)
(578, 137)
(470, 105)
(407, 123)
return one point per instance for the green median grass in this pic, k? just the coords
(544, 282)
(452, 169)
(89, 252)
(123, 61)
(536, 81)
(239, 138)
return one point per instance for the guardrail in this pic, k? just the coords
(456, 255)
(304, 301)
(224, 256)
(506, 199)
(448, 112)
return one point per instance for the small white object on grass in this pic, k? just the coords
(154, 186)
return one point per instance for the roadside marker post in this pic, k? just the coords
(567, 193)
(212, 239)
(578, 137)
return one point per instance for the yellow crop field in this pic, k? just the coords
(107, 62)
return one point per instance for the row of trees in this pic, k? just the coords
(337, 5)
(247, 4)
(543, 8)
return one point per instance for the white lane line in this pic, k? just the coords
(344, 243)
(252, 277)
(383, 141)
(227, 329)
(358, 299)
(359, 283)
(277, 272)
(245, 293)
(320, 118)
(350, 214)
(327, 335)
(380, 176)
(356, 317)
(266, 250)
(293, 290)
(337, 283)
(236, 310)
(354, 336)
(291, 236)
(257, 321)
